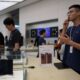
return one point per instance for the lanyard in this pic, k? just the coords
(71, 33)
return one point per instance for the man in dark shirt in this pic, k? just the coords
(1, 44)
(6, 66)
(14, 39)
(41, 40)
(72, 38)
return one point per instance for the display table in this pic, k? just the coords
(17, 75)
(29, 49)
(49, 72)
(13, 69)
(41, 72)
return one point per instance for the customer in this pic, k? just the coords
(59, 47)
(14, 39)
(1, 44)
(41, 40)
(72, 39)
(36, 43)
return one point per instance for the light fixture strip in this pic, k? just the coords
(11, 0)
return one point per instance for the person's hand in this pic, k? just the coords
(15, 49)
(57, 46)
(65, 39)
(65, 24)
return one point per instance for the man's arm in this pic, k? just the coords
(65, 39)
(68, 41)
(65, 26)
(16, 47)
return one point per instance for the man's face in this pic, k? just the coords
(9, 27)
(73, 14)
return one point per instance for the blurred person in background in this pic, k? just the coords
(41, 40)
(1, 44)
(14, 39)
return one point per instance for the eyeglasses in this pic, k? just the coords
(71, 11)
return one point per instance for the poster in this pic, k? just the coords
(46, 53)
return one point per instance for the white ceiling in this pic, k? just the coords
(16, 5)
(7, 3)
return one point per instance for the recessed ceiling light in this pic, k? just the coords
(12, 0)
(7, 3)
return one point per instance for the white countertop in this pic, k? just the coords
(17, 75)
(49, 72)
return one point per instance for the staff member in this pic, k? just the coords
(72, 39)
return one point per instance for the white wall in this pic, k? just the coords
(42, 25)
(42, 10)
(45, 10)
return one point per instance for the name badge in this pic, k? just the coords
(71, 49)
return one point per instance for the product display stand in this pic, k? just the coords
(11, 73)
(46, 53)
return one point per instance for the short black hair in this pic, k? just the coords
(8, 21)
(77, 6)
(42, 31)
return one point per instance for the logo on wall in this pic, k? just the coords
(33, 33)
(54, 31)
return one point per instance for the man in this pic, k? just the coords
(6, 66)
(36, 43)
(59, 47)
(71, 37)
(41, 40)
(14, 39)
(1, 44)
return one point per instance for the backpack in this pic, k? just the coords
(21, 40)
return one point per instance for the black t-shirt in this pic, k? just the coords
(42, 41)
(14, 38)
(39, 41)
(1, 39)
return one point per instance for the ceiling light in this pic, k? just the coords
(11, 0)
(4, 5)
(8, 3)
